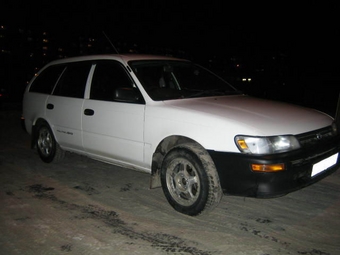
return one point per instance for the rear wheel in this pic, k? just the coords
(48, 149)
(189, 180)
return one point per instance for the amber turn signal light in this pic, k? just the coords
(264, 168)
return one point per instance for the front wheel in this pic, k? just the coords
(189, 180)
(48, 148)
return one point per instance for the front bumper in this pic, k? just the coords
(237, 178)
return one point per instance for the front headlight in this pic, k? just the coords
(266, 145)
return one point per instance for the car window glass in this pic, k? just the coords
(46, 80)
(107, 77)
(166, 80)
(73, 81)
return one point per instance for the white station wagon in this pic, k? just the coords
(196, 135)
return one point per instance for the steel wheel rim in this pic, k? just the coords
(45, 141)
(183, 182)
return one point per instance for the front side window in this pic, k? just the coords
(46, 80)
(73, 81)
(164, 80)
(108, 78)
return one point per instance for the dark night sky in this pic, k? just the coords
(183, 23)
(308, 31)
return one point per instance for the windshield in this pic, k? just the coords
(164, 80)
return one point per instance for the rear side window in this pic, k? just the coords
(73, 81)
(47, 79)
(108, 76)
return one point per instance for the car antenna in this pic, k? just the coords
(111, 42)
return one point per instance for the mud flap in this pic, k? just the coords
(155, 180)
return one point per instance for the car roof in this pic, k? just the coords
(120, 57)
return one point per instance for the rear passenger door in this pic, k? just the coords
(112, 129)
(64, 106)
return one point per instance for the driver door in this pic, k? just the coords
(112, 130)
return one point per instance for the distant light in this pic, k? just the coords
(246, 79)
(5, 51)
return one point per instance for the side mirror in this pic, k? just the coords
(127, 95)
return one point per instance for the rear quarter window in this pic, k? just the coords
(46, 80)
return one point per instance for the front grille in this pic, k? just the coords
(316, 137)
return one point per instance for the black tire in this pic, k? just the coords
(190, 180)
(48, 149)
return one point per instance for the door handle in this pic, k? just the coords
(50, 106)
(89, 112)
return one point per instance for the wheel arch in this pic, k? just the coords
(158, 156)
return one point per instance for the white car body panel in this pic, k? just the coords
(66, 119)
(114, 131)
(255, 116)
(33, 109)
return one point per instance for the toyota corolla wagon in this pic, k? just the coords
(197, 135)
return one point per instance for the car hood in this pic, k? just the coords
(254, 115)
